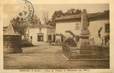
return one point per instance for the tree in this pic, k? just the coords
(35, 20)
(78, 11)
(45, 17)
(70, 11)
(73, 11)
(57, 14)
(19, 25)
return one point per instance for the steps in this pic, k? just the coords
(90, 53)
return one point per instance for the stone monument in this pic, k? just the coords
(84, 35)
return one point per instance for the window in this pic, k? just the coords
(49, 37)
(54, 38)
(107, 39)
(107, 28)
(31, 37)
(40, 37)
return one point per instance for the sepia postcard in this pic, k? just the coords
(56, 36)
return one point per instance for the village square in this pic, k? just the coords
(64, 37)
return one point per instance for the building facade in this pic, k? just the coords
(40, 34)
(98, 27)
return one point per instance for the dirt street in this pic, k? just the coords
(48, 57)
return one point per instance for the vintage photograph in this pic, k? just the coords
(56, 36)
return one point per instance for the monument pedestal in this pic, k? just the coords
(84, 45)
(84, 48)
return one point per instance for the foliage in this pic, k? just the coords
(20, 23)
(35, 20)
(60, 13)
(57, 14)
(45, 17)
(73, 11)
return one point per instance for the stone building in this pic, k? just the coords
(40, 34)
(98, 26)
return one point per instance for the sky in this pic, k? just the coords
(11, 10)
